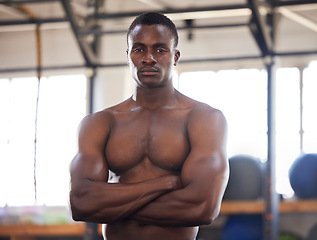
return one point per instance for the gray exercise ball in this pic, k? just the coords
(246, 179)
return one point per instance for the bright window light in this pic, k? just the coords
(62, 104)
(310, 109)
(241, 96)
(18, 98)
(287, 125)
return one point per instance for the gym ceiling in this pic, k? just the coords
(210, 31)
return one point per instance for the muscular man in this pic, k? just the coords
(167, 150)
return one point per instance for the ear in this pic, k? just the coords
(177, 55)
(127, 52)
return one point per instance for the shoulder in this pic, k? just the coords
(199, 111)
(105, 118)
(202, 111)
(106, 115)
(206, 118)
(98, 118)
(96, 125)
(203, 119)
(94, 131)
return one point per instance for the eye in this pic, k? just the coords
(137, 50)
(160, 50)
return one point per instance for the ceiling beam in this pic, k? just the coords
(27, 1)
(298, 18)
(33, 21)
(276, 4)
(124, 31)
(292, 3)
(85, 47)
(259, 29)
(184, 61)
(171, 11)
(216, 11)
(201, 14)
(133, 14)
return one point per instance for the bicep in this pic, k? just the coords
(90, 163)
(206, 168)
(88, 167)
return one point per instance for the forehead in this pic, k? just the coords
(151, 34)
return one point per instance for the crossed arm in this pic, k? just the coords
(161, 201)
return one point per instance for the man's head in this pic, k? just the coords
(152, 53)
(151, 18)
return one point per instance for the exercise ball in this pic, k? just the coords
(312, 235)
(243, 227)
(246, 178)
(303, 176)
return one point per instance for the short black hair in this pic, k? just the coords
(151, 18)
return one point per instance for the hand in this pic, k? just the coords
(174, 182)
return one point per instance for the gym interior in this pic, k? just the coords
(256, 60)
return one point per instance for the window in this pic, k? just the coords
(288, 115)
(309, 109)
(287, 125)
(62, 104)
(242, 96)
(18, 99)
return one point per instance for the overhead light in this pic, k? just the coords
(210, 14)
(152, 3)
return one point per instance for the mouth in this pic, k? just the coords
(148, 71)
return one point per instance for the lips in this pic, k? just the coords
(148, 71)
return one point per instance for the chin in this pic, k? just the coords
(149, 82)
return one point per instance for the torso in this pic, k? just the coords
(155, 143)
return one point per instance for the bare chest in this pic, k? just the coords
(148, 141)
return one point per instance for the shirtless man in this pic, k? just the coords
(167, 150)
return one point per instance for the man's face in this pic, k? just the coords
(151, 55)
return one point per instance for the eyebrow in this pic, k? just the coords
(154, 45)
(160, 45)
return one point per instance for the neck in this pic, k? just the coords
(152, 98)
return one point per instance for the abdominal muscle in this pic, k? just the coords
(131, 230)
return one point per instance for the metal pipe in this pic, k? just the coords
(183, 61)
(271, 198)
(301, 130)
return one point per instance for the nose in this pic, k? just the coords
(148, 58)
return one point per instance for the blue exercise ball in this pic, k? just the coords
(303, 176)
(243, 227)
(246, 179)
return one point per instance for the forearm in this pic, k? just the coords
(108, 202)
(198, 203)
(178, 208)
